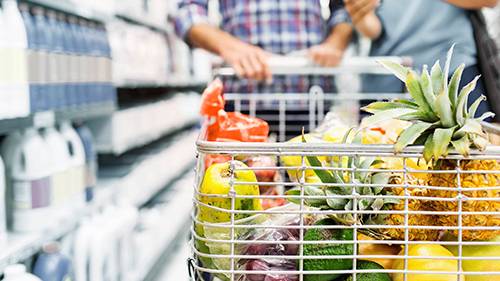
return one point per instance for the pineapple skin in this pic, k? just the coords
(413, 219)
(470, 205)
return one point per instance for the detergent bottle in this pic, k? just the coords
(61, 172)
(17, 272)
(28, 169)
(16, 59)
(77, 165)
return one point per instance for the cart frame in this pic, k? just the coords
(315, 100)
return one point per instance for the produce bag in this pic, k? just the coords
(222, 232)
(260, 162)
(229, 126)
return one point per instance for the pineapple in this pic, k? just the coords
(442, 122)
(413, 205)
(363, 180)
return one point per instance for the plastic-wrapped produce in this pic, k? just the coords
(267, 243)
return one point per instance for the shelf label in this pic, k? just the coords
(44, 119)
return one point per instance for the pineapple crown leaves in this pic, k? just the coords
(438, 110)
(335, 184)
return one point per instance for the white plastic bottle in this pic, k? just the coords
(17, 60)
(3, 214)
(77, 165)
(27, 161)
(60, 166)
(3, 70)
(17, 272)
(81, 249)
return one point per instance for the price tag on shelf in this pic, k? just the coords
(44, 119)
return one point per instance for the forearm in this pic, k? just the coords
(370, 26)
(473, 4)
(211, 38)
(340, 36)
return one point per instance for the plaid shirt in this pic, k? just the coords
(277, 26)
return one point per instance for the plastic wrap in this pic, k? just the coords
(260, 247)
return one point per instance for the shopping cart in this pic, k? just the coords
(303, 239)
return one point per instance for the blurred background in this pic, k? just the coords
(99, 104)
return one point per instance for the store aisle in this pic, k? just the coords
(175, 269)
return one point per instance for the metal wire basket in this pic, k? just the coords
(433, 223)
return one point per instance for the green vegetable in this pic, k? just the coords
(367, 265)
(327, 250)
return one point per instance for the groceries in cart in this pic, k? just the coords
(412, 193)
(229, 126)
(225, 126)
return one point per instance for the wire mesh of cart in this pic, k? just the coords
(386, 216)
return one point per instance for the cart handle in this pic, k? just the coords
(491, 128)
(300, 65)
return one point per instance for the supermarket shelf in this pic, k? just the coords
(132, 84)
(113, 134)
(169, 233)
(186, 83)
(144, 180)
(48, 118)
(72, 8)
(175, 268)
(20, 247)
(86, 112)
(96, 15)
(143, 22)
(168, 84)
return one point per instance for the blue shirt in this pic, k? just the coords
(423, 30)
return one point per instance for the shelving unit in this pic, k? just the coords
(155, 162)
(92, 14)
(142, 21)
(20, 247)
(150, 122)
(48, 118)
(86, 12)
(171, 232)
(168, 84)
(137, 184)
(70, 8)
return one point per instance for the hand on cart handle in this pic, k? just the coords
(299, 63)
(326, 55)
(248, 61)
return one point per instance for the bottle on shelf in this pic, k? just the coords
(3, 215)
(66, 59)
(93, 54)
(75, 60)
(42, 47)
(53, 67)
(28, 172)
(3, 70)
(109, 89)
(60, 173)
(31, 54)
(77, 165)
(90, 160)
(84, 63)
(81, 248)
(17, 94)
(52, 265)
(17, 272)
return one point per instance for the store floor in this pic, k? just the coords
(175, 268)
